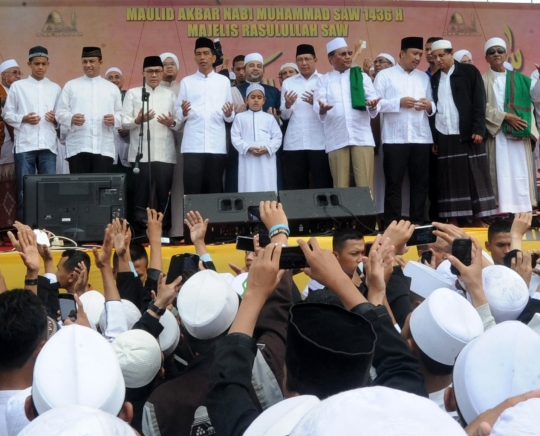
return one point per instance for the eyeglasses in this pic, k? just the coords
(345, 53)
(152, 72)
(302, 60)
(169, 64)
(492, 51)
(382, 61)
(15, 72)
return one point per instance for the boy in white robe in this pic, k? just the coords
(257, 137)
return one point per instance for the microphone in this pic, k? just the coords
(138, 158)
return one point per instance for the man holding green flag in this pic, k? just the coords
(345, 101)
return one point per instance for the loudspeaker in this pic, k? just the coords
(230, 215)
(320, 211)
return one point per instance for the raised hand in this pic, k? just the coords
(166, 120)
(121, 236)
(108, 120)
(186, 107)
(82, 278)
(324, 108)
(26, 244)
(103, 257)
(154, 226)
(197, 226)
(399, 233)
(228, 109)
(290, 98)
(32, 118)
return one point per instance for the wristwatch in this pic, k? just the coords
(156, 309)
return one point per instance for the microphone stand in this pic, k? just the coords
(146, 99)
(139, 155)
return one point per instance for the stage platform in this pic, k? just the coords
(13, 268)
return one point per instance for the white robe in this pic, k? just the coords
(256, 129)
(512, 166)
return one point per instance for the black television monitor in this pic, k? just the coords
(78, 206)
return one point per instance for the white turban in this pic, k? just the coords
(335, 44)
(458, 55)
(387, 56)
(289, 64)
(10, 63)
(441, 44)
(166, 55)
(257, 57)
(112, 70)
(494, 42)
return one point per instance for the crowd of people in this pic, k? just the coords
(451, 135)
(374, 345)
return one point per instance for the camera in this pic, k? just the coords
(219, 52)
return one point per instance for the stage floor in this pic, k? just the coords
(13, 268)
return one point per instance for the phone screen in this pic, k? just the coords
(292, 258)
(422, 235)
(245, 243)
(191, 266)
(68, 307)
(461, 248)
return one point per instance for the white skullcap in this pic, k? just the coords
(280, 419)
(506, 292)
(387, 56)
(10, 63)
(257, 57)
(534, 323)
(77, 421)
(207, 305)
(232, 76)
(521, 420)
(133, 314)
(289, 64)
(494, 42)
(228, 277)
(169, 337)
(446, 273)
(139, 356)
(166, 55)
(93, 302)
(254, 87)
(113, 70)
(443, 324)
(335, 44)
(375, 411)
(424, 279)
(239, 284)
(78, 366)
(441, 44)
(499, 364)
(458, 55)
(508, 66)
(16, 418)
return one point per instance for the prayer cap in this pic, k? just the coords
(152, 61)
(446, 273)
(77, 421)
(424, 279)
(329, 349)
(280, 419)
(253, 57)
(10, 63)
(443, 324)
(494, 42)
(387, 56)
(254, 87)
(166, 55)
(228, 277)
(305, 49)
(203, 42)
(412, 42)
(38, 51)
(458, 55)
(133, 314)
(91, 52)
(239, 283)
(375, 411)
(521, 420)
(441, 44)
(139, 356)
(112, 70)
(499, 364)
(93, 303)
(506, 292)
(335, 44)
(16, 418)
(169, 337)
(77, 366)
(207, 305)
(289, 64)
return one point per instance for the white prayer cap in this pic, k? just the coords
(166, 55)
(113, 70)
(280, 419)
(424, 279)
(78, 366)
(133, 314)
(16, 418)
(499, 364)
(446, 273)
(10, 63)
(254, 87)
(232, 76)
(228, 277)
(239, 283)
(494, 42)
(139, 356)
(77, 421)
(375, 411)
(443, 324)
(441, 44)
(387, 56)
(458, 55)
(207, 305)
(169, 337)
(93, 302)
(253, 57)
(508, 66)
(289, 64)
(506, 292)
(335, 44)
(521, 420)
